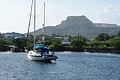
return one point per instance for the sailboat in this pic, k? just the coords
(40, 52)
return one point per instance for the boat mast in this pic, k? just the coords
(30, 19)
(34, 20)
(44, 27)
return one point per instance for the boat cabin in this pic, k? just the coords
(43, 50)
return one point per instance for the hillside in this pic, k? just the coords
(106, 25)
(81, 25)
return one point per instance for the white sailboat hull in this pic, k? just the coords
(34, 58)
(31, 55)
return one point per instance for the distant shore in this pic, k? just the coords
(99, 50)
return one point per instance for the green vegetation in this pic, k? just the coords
(4, 45)
(20, 43)
(115, 42)
(99, 44)
(57, 46)
(78, 43)
(102, 37)
(118, 34)
(4, 42)
(102, 41)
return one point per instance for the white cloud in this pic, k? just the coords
(109, 14)
(107, 8)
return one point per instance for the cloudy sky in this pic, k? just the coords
(14, 14)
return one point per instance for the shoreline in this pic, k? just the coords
(98, 50)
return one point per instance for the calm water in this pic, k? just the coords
(69, 66)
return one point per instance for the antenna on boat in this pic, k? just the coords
(34, 20)
(44, 27)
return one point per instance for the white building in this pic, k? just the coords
(67, 42)
(12, 35)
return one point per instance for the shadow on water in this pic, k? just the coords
(43, 62)
(47, 61)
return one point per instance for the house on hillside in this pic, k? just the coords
(12, 35)
(67, 42)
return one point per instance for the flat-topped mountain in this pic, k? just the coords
(81, 25)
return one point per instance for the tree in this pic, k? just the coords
(57, 46)
(56, 41)
(4, 45)
(115, 43)
(78, 43)
(102, 37)
(4, 42)
(118, 34)
(98, 44)
(20, 42)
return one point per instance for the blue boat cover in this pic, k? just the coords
(38, 45)
(44, 49)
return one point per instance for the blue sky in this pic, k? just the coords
(14, 14)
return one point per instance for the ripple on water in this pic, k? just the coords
(69, 66)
